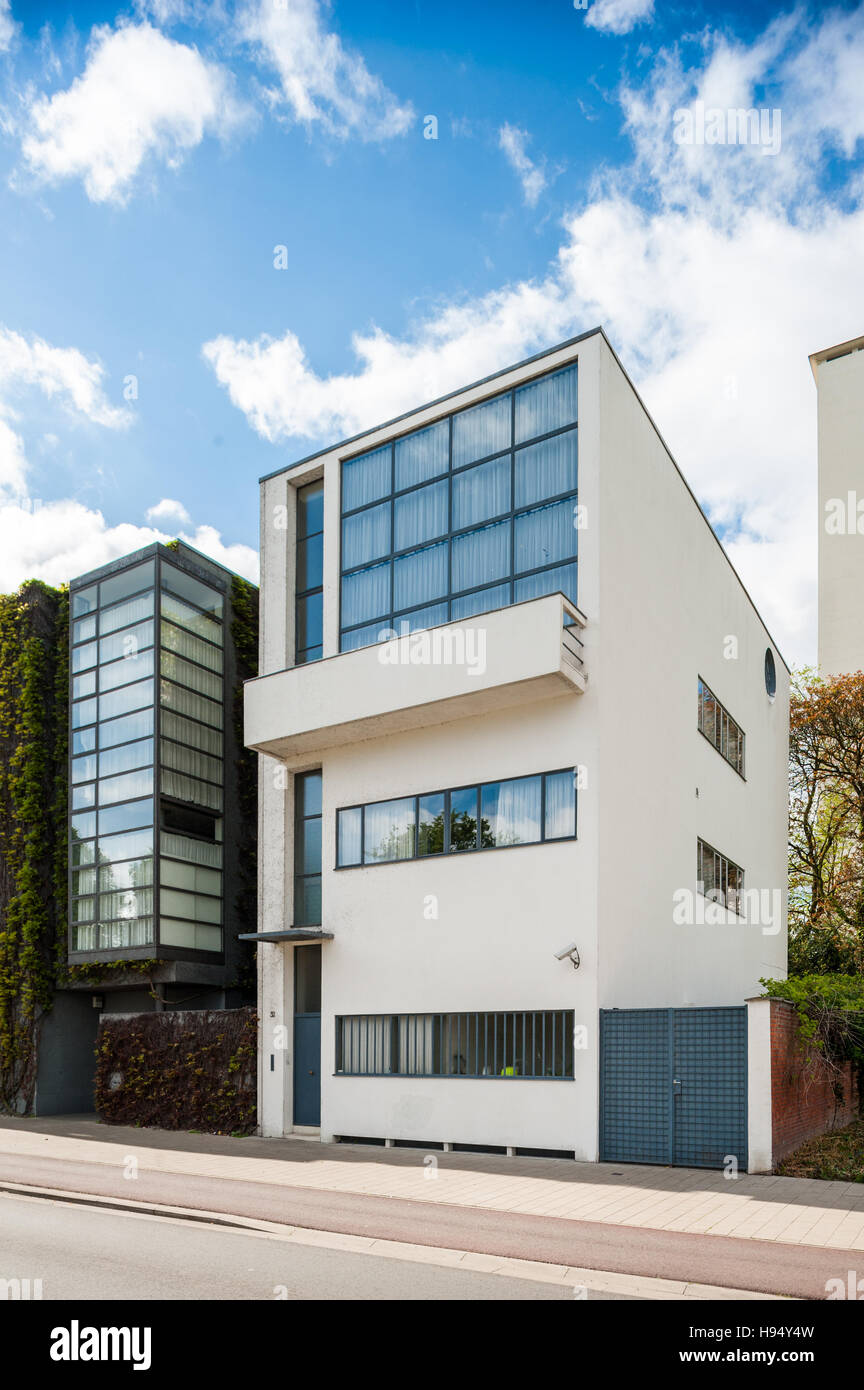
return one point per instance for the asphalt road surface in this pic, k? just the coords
(83, 1252)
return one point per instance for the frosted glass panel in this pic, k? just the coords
(350, 848)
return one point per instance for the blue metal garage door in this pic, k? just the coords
(673, 1086)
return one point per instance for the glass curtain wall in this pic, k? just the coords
(467, 515)
(142, 758)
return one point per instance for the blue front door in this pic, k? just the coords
(307, 1069)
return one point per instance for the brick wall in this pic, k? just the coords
(803, 1104)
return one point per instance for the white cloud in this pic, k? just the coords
(320, 81)
(715, 270)
(7, 26)
(168, 510)
(618, 16)
(65, 373)
(532, 176)
(141, 97)
(62, 539)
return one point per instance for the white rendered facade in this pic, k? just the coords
(658, 608)
(839, 376)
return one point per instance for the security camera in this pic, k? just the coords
(569, 953)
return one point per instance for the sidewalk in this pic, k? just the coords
(789, 1211)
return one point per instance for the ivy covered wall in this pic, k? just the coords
(33, 771)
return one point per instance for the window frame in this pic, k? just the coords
(703, 686)
(393, 615)
(447, 793)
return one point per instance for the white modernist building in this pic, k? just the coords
(523, 745)
(839, 376)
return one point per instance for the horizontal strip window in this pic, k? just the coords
(717, 877)
(202, 624)
(492, 815)
(114, 936)
(536, 1045)
(186, 644)
(718, 726)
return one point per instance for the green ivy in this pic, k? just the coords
(33, 746)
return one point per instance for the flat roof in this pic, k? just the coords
(186, 556)
(828, 354)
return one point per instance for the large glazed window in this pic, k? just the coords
(528, 1044)
(491, 815)
(470, 514)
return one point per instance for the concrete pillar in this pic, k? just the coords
(760, 1158)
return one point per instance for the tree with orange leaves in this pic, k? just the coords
(826, 840)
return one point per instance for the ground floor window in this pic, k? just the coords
(537, 1044)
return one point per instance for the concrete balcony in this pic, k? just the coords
(490, 662)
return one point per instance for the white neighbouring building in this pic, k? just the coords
(839, 375)
(574, 744)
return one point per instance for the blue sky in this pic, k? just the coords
(154, 156)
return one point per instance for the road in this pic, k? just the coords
(81, 1252)
(764, 1266)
